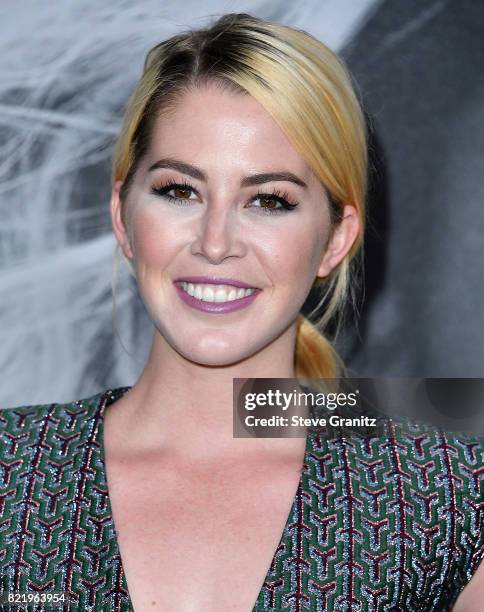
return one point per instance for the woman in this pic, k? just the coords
(239, 181)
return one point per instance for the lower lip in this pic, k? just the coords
(217, 307)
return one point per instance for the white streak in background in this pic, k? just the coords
(420, 20)
(66, 71)
(9, 113)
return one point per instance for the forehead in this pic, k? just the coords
(224, 127)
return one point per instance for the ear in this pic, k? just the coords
(118, 227)
(344, 235)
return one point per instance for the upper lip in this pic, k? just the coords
(215, 281)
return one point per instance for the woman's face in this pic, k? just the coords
(217, 146)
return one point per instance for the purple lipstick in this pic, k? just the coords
(215, 307)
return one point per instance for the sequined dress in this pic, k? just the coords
(387, 523)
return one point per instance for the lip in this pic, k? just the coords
(215, 281)
(216, 307)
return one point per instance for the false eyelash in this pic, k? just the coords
(162, 190)
(281, 197)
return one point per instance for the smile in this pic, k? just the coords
(215, 298)
(215, 293)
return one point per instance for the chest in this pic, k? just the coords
(199, 543)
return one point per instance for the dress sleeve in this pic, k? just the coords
(469, 466)
(454, 466)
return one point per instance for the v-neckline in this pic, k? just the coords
(109, 397)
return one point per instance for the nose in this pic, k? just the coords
(218, 235)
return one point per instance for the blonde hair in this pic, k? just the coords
(308, 91)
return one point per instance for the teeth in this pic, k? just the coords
(216, 293)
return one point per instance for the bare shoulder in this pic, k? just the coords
(471, 597)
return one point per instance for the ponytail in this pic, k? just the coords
(315, 355)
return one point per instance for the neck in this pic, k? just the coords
(187, 408)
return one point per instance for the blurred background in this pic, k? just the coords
(66, 71)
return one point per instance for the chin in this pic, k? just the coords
(215, 356)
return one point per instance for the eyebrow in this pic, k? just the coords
(253, 179)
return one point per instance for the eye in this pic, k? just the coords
(181, 191)
(269, 202)
(272, 203)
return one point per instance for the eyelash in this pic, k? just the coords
(282, 197)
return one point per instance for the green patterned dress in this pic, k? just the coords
(387, 523)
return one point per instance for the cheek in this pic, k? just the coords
(295, 256)
(152, 239)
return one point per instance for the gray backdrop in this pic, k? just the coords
(66, 71)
